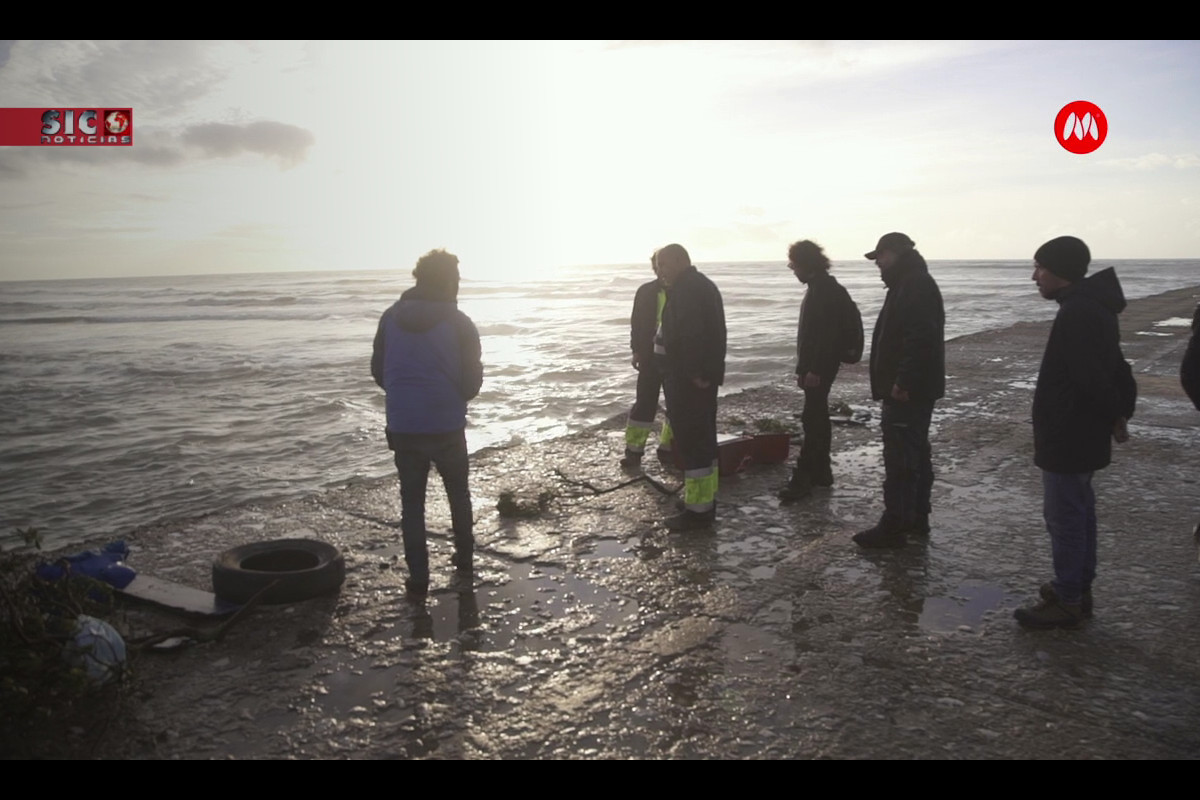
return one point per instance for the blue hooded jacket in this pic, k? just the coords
(427, 358)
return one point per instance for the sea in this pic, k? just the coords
(129, 401)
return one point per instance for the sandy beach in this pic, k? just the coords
(590, 632)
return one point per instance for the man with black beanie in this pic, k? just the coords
(1085, 394)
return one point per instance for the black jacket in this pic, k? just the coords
(819, 330)
(1080, 386)
(908, 347)
(694, 329)
(643, 323)
(1189, 370)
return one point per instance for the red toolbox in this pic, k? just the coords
(771, 448)
(734, 454)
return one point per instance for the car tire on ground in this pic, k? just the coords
(304, 568)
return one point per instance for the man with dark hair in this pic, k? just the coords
(908, 374)
(427, 358)
(1085, 393)
(648, 306)
(819, 352)
(693, 333)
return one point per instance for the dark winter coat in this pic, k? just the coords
(693, 325)
(643, 323)
(819, 342)
(1083, 383)
(908, 346)
(427, 358)
(1189, 370)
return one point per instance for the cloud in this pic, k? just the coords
(287, 143)
(163, 76)
(11, 166)
(1155, 161)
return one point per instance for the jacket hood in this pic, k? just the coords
(909, 263)
(418, 310)
(1102, 286)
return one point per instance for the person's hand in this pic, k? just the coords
(637, 364)
(700, 383)
(899, 394)
(812, 381)
(1120, 431)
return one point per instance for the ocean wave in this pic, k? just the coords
(502, 329)
(253, 299)
(165, 318)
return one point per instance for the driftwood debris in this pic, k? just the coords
(598, 491)
(213, 634)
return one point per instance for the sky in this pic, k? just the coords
(523, 156)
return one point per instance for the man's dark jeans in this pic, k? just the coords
(414, 452)
(907, 461)
(1069, 508)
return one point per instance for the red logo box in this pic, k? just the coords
(66, 127)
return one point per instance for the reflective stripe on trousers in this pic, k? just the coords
(636, 434)
(700, 489)
(667, 436)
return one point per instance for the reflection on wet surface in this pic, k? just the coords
(965, 609)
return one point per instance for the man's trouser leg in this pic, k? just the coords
(907, 461)
(925, 481)
(645, 407)
(694, 419)
(818, 435)
(453, 463)
(1069, 508)
(413, 465)
(666, 439)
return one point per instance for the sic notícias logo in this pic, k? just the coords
(87, 126)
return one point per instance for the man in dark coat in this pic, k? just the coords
(1189, 377)
(1189, 368)
(644, 323)
(1085, 393)
(427, 358)
(819, 350)
(693, 334)
(908, 374)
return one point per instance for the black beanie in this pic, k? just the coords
(1066, 256)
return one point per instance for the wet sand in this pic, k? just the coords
(590, 632)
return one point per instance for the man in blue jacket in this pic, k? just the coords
(427, 358)
(1085, 393)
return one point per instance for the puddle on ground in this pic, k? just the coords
(964, 609)
(539, 610)
(610, 548)
(748, 648)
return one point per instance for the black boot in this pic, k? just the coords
(798, 488)
(887, 534)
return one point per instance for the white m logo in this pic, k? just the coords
(1079, 127)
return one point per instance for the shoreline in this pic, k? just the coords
(590, 632)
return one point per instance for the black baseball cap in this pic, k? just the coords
(896, 242)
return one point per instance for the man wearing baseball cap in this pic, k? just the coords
(908, 374)
(1085, 393)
